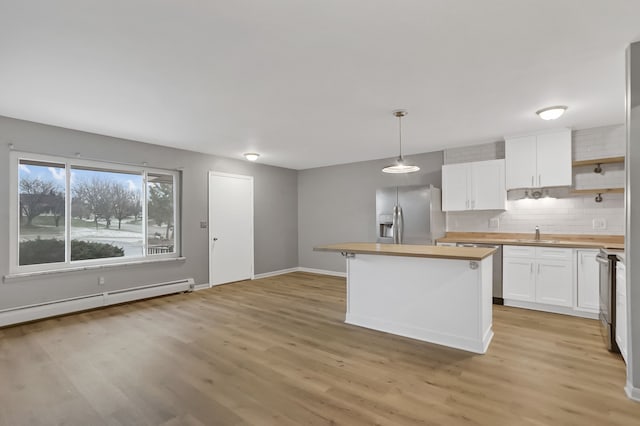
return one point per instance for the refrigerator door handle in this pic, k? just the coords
(398, 225)
(394, 224)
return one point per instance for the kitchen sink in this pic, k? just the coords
(532, 240)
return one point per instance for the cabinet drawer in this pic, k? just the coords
(518, 251)
(554, 253)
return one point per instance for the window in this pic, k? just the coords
(76, 212)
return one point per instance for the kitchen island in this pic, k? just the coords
(436, 294)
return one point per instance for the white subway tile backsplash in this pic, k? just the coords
(599, 142)
(557, 216)
(467, 154)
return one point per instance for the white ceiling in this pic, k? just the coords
(313, 83)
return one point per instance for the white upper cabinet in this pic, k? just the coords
(455, 187)
(473, 186)
(520, 162)
(489, 192)
(554, 159)
(537, 161)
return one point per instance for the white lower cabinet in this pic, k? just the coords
(588, 284)
(621, 309)
(445, 244)
(518, 279)
(554, 282)
(540, 275)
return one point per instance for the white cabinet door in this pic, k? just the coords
(588, 276)
(455, 181)
(518, 279)
(621, 310)
(487, 185)
(554, 282)
(554, 159)
(520, 162)
(473, 186)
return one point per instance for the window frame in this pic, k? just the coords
(69, 164)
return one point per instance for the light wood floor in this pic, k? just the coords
(276, 352)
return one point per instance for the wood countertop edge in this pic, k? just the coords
(434, 252)
(557, 241)
(559, 244)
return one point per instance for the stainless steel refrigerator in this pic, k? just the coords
(409, 215)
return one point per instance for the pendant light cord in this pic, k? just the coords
(400, 133)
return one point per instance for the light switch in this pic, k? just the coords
(203, 224)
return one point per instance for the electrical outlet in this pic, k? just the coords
(599, 223)
(494, 222)
(100, 280)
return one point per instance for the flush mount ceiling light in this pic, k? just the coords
(400, 166)
(551, 113)
(251, 156)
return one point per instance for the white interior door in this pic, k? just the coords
(230, 228)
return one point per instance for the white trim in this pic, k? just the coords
(199, 287)
(65, 306)
(323, 272)
(10, 277)
(419, 333)
(565, 310)
(275, 273)
(14, 217)
(68, 265)
(632, 392)
(538, 133)
(209, 214)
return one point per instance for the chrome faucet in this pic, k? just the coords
(537, 233)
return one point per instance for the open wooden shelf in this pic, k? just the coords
(599, 191)
(595, 161)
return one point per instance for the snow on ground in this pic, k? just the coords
(129, 237)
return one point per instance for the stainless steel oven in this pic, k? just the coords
(607, 264)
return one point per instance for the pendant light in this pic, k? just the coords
(399, 166)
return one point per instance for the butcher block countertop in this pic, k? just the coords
(549, 240)
(458, 253)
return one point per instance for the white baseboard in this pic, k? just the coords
(275, 273)
(550, 308)
(66, 306)
(419, 333)
(201, 287)
(632, 392)
(301, 269)
(323, 272)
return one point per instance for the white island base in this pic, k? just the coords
(437, 300)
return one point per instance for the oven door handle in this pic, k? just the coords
(604, 261)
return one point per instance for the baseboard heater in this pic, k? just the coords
(60, 307)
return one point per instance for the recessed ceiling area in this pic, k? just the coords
(309, 84)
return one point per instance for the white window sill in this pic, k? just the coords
(19, 275)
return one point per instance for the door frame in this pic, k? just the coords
(210, 222)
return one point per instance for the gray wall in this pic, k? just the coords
(632, 240)
(337, 204)
(275, 208)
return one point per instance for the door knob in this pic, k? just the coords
(215, 238)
